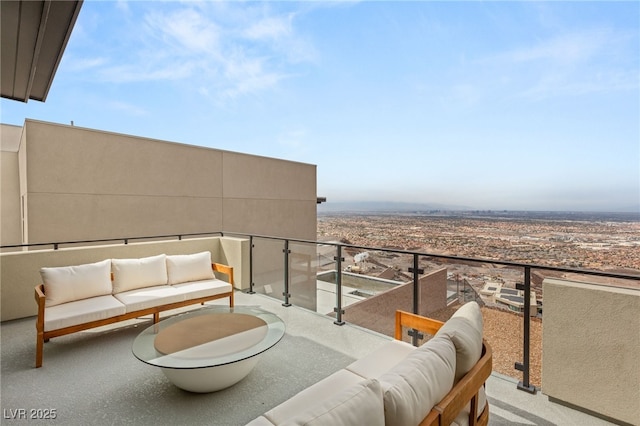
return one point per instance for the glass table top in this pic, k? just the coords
(208, 337)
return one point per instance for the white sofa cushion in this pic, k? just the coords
(130, 274)
(360, 404)
(260, 421)
(82, 311)
(149, 297)
(464, 328)
(304, 399)
(381, 360)
(196, 289)
(70, 283)
(189, 267)
(418, 382)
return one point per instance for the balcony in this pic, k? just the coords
(92, 376)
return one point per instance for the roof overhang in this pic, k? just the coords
(34, 34)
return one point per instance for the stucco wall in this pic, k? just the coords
(10, 232)
(590, 348)
(21, 270)
(378, 312)
(86, 184)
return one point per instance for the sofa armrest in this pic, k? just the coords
(409, 320)
(40, 300)
(466, 390)
(224, 269)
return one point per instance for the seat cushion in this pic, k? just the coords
(194, 290)
(82, 311)
(131, 274)
(189, 267)
(418, 382)
(148, 297)
(310, 396)
(465, 331)
(381, 360)
(357, 405)
(260, 421)
(69, 283)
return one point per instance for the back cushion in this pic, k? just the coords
(418, 382)
(69, 283)
(465, 330)
(357, 405)
(131, 274)
(189, 267)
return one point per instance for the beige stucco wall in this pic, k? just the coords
(20, 270)
(84, 184)
(590, 348)
(378, 312)
(87, 184)
(10, 232)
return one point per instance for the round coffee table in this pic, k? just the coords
(209, 349)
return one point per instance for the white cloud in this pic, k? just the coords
(186, 31)
(573, 63)
(569, 48)
(128, 108)
(147, 72)
(221, 50)
(80, 64)
(272, 27)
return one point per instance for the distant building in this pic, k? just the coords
(509, 297)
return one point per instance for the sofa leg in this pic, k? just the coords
(39, 349)
(156, 317)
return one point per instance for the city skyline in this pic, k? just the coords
(484, 105)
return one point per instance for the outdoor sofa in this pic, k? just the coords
(76, 298)
(439, 383)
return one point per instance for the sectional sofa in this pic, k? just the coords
(439, 383)
(75, 298)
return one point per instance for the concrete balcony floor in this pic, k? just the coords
(93, 378)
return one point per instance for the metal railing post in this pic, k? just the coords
(251, 284)
(338, 309)
(286, 293)
(415, 334)
(526, 334)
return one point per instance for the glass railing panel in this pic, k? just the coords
(376, 283)
(303, 265)
(326, 279)
(268, 267)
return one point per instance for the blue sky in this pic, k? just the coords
(488, 105)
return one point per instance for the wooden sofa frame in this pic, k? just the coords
(44, 336)
(463, 392)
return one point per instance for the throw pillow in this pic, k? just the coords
(465, 331)
(131, 274)
(357, 405)
(69, 283)
(189, 267)
(418, 382)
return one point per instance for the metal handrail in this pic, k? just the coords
(448, 257)
(125, 240)
(523, 366)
